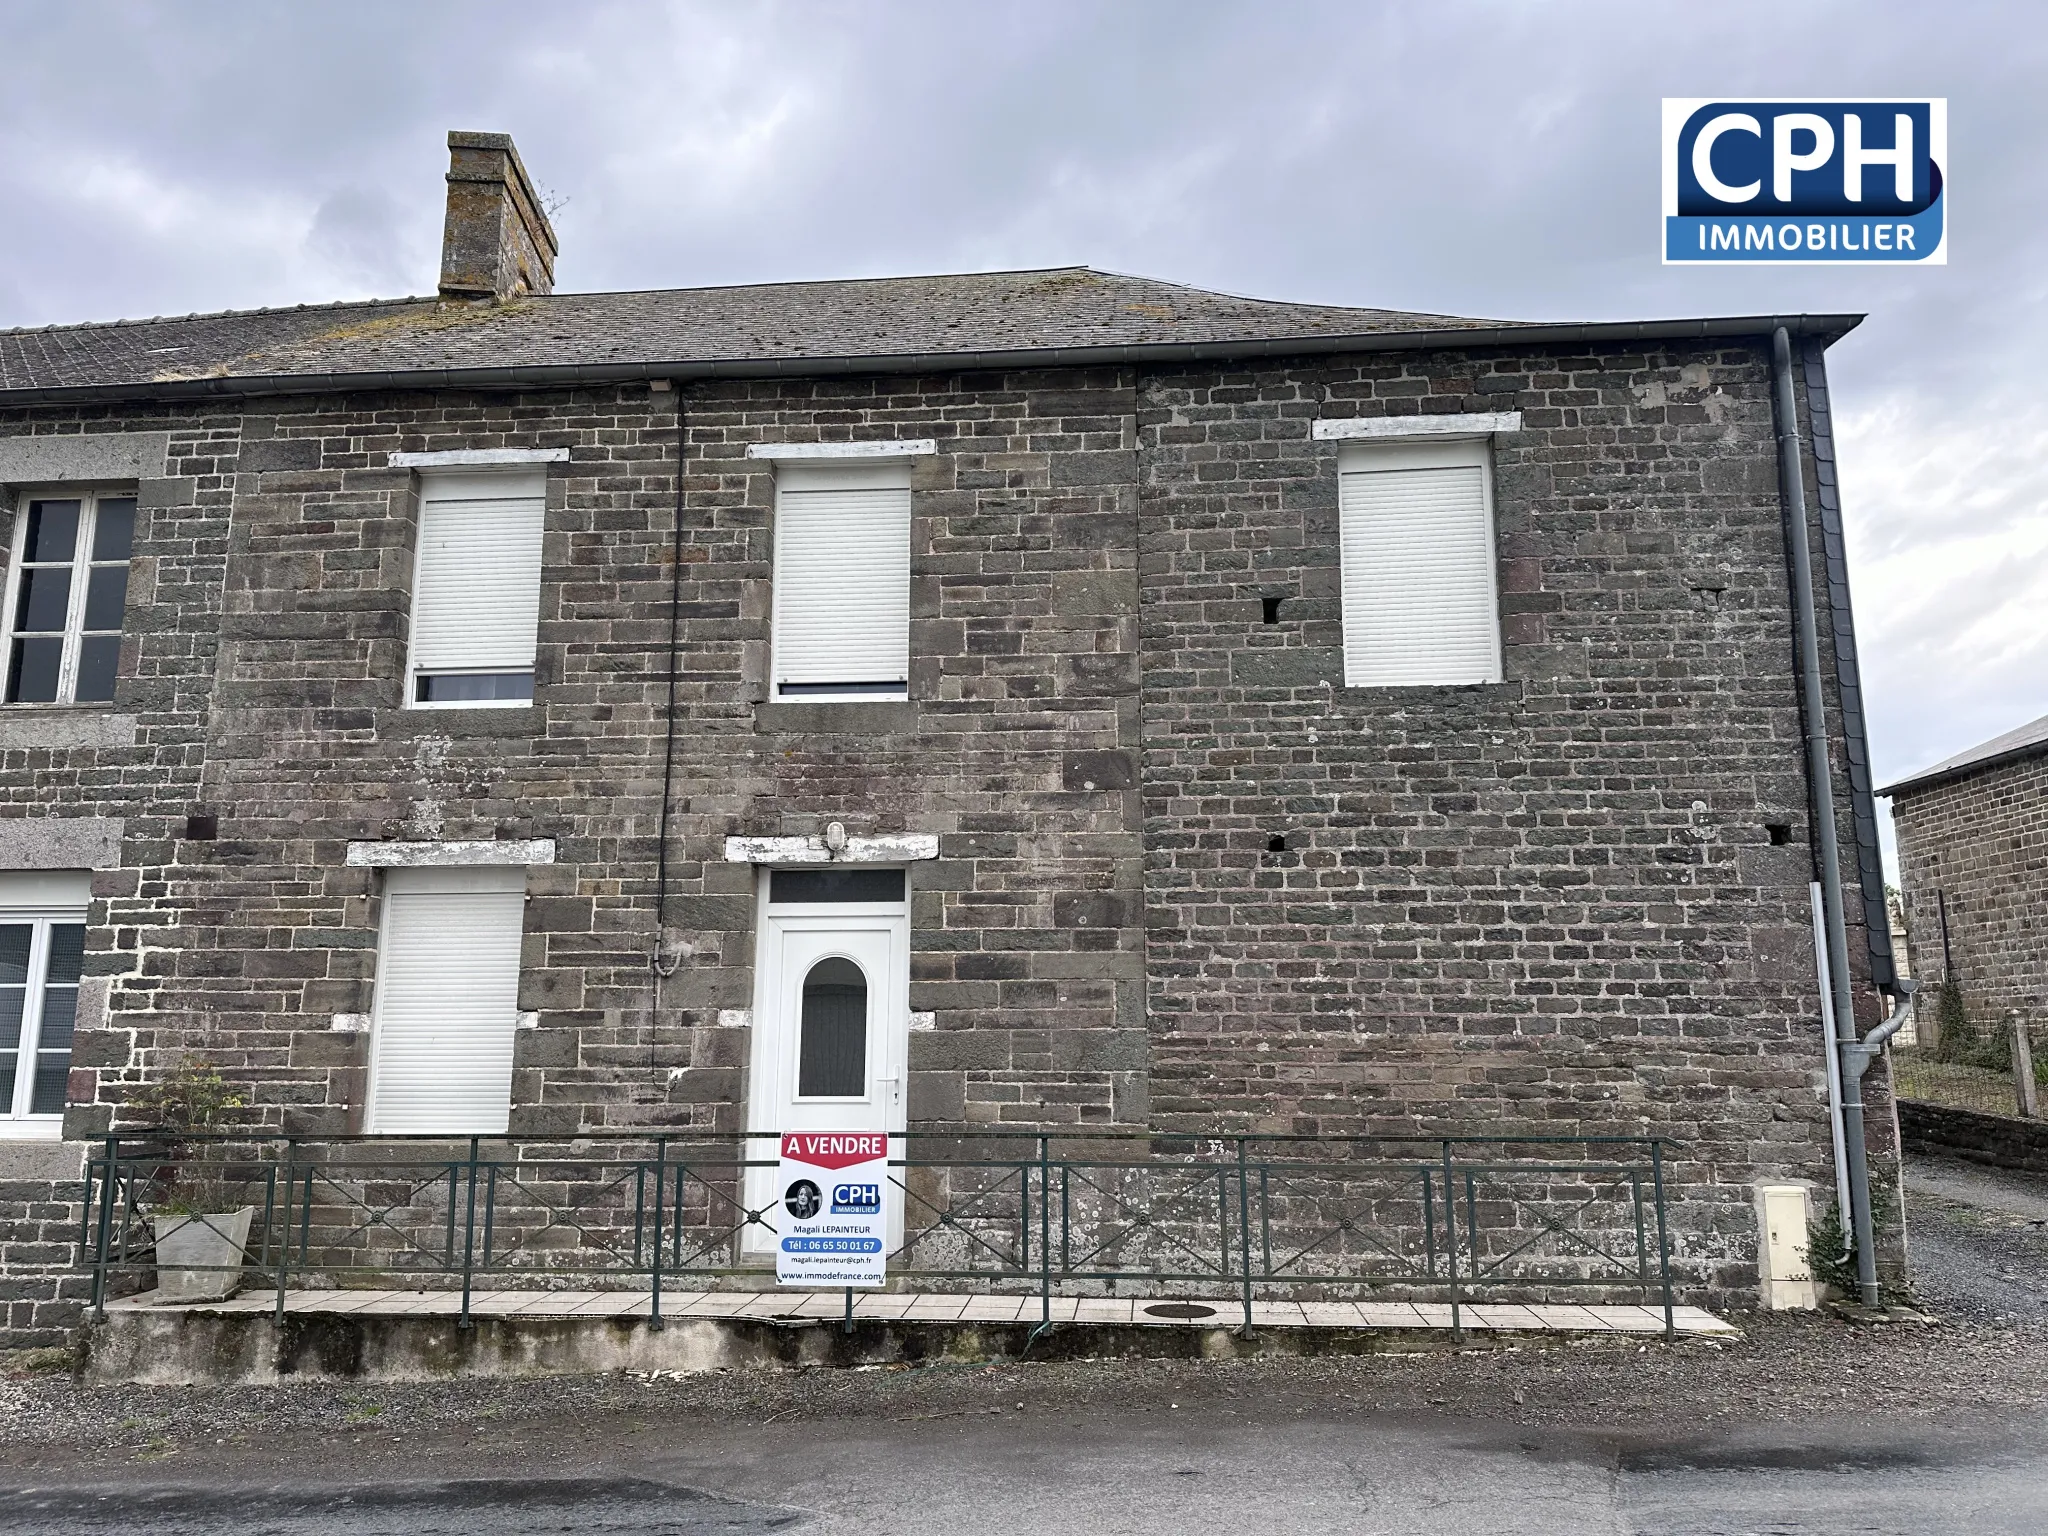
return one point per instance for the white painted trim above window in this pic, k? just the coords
(506, 851)
(908, 448)
(478, 458)
(1353, 428)
(889, 848)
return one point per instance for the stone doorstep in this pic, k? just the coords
(948, 1307)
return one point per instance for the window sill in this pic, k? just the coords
(32, 1128)
(441, 720)
(65, 725)
(1426, 695)
(849, 717)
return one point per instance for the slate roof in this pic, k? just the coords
(2024, 741)
(965, 313)
(1057, 314)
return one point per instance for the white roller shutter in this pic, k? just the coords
(447, 1001)
(1418, 565)
(476, 600)
(842, 578)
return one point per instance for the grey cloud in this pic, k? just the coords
(1492, 159)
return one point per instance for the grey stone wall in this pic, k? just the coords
(1549, 904)
(1981, 840)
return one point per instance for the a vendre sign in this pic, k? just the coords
(833, 1229)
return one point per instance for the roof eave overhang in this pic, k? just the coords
(1156, 354)
(1934, 778)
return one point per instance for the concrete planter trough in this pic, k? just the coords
(199, 1258)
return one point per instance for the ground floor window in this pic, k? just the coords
(42, 954)
(446, 1008)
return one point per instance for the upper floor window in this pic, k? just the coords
(42, 953)
(1417, 556)
(842, 581)
(66, 596)
(476, 590)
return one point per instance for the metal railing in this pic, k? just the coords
(1457, 1219)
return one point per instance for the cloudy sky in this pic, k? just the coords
(1480, 159)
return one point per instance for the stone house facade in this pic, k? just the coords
(1973, 875)
(1174, 844)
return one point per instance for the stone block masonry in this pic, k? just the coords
(1973, 868)
(1544, 905)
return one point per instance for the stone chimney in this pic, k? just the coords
(498, 243)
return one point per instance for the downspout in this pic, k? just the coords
(658, 963)
(1821, 797)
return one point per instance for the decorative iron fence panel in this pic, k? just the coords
(1458, 1220)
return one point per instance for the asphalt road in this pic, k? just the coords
(1107, 1476)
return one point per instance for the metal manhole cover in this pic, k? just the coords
(1189, 1309)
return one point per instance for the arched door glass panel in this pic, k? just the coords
(832, 1049)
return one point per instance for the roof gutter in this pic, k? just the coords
(1827, 328)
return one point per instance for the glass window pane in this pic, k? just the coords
(787, 885)
(67, 954)
(99, 658)
(32, 670)
(45, 599)
(52, 531)
(60, 1017)
(14, 942)
(12, 1000)
(106, 596)
(113, 528)
(7, 1062)
(52, 1071)
(471, 687)
(832, 1050)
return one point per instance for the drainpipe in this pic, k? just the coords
(1854, 1056)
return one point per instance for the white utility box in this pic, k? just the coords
(1784, 1278)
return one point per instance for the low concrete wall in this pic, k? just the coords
(1994, 1140)
(189, 1347)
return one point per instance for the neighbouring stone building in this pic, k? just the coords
(1184, 711)
(1973, 874)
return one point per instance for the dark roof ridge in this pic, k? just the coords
(215, 314)
(609, 293)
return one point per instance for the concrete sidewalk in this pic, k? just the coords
(930, 1307)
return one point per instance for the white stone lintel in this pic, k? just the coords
(1377, 428)
(890, 848)
(509, 850)
(906, 448)
(478, 458)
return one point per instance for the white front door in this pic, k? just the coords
(831, 1014)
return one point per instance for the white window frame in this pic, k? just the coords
(89, 498)
(443, 470)
(38, 902)
(499, 879)
(882, 465)
(1393, 453)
